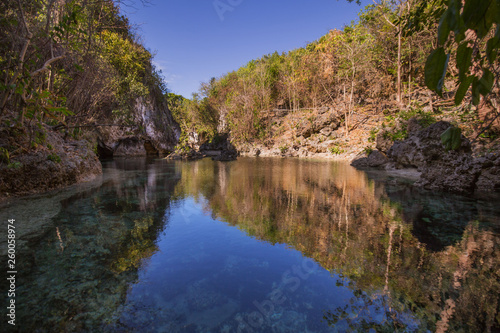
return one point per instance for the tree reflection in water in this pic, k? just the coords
(369, 230)
(409, 260)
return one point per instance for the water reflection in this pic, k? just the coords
(430, 254)
(164, 247)
(77, 270)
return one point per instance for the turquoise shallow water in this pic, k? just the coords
(255, 245)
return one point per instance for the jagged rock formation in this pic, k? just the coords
(70, 161)
(325, 123)
(448, 170)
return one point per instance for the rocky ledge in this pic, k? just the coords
(219, 149)
(454, 170)
(65, 162)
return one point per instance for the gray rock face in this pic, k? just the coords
(156, 132)
(376, 159)
(326, 123)
(489, 178)
(130, 146)
(382, 142)
(453, 170)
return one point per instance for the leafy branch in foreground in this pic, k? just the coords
(475, 44)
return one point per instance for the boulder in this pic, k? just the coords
(424, 148)
(452, 170)
(440, 169)
(376, 159)
(325, 123)
(448, 170)
(489, 178)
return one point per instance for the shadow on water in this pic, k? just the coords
(439, 219)
(256, 245)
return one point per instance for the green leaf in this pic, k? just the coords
(456, 22)
(452, 138)
(486, 82)
(78, 67)
(475, 16)
(444, 27)
(492, 14)
(462, 89)
(435, 70)
(464, 59)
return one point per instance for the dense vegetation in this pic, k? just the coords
(381, 58)
(68, 64)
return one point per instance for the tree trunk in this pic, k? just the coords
(398, 98)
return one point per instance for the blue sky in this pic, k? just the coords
(195, 40)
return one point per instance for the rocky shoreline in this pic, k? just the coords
(60, 162)
(452, 170)
(421, 157)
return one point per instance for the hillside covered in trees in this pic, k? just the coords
(77, 83)
(354, 90)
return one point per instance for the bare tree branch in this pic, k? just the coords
(46, 65)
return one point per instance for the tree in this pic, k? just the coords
(353, 52)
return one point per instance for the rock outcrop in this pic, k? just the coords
(325, 123)
(489, 178)
(155, 132)
(219, 149)
(452, 170)
(67, 162)
(375, 159)
(447, 170)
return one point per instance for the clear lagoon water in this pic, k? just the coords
(254, 245)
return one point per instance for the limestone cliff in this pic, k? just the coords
(154, 132)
